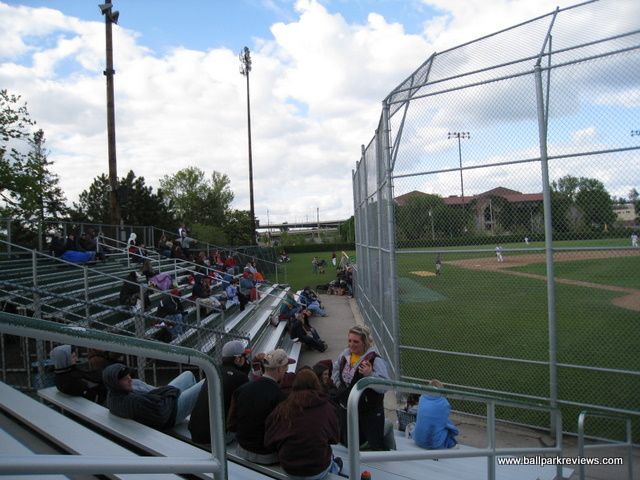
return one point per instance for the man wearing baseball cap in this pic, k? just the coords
(251, 405)
(234, 371)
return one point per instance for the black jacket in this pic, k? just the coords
(251, 405)
(156, 409)
(232, 379)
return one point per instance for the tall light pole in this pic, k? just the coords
(245, 68)
(111, 17)
(460, 135)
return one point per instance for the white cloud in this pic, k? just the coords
(316, 91)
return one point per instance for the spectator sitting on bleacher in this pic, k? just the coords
(226, 278)
(130, 292)
(252, 403)
(170, 308)
(202, 294)
(164, 246)
(309, 300)
(176, 252)
(302, 429)
(323, 370)
(230, 262)
(234, 296)
(234, 372)
(160, 408)
(248, 286)
(71, 243)
(73, 380)
(433, 428)
(147, 269)
(160, 280)
(57, 245)
(305, 334)
(289, 307)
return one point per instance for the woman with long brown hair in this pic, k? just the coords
(302, 429)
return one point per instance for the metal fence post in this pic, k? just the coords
(9, 238)
(393, 274)
(548, 242)
(87, 312)
(139, 325)
(37, 313)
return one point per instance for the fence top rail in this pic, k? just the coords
(407, 387)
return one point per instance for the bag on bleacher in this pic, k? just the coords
(274, 319)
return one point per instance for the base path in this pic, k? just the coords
(631, 301)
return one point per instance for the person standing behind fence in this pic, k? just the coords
(433, 428)
(634, 240)
(499, 254)
(438, 264)
(360, 359)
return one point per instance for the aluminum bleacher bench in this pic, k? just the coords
(129, 431)
(63, 431)
(147, 439)
(12, 447)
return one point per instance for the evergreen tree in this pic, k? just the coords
(139, 205)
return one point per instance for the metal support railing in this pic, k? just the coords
(76, 464)
(582, 448)
(490, 451)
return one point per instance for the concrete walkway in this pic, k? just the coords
(342, 312)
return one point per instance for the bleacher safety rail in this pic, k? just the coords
(139, 319)
(44, 330)
(490, 451)
(582, 448)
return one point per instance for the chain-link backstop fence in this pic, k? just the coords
(497, 216)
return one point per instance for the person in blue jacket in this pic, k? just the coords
(433, 428)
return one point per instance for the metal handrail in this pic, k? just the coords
(582, 417)
(76, 464)
(491, 451)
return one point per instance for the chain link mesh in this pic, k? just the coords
(495, 164)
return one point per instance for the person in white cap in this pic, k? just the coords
(252, 403)
(234, 371)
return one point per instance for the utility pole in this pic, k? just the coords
(245, 68)
(460, 135)
(111, 17)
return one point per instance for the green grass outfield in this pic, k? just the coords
(300, 274)
(496, 314)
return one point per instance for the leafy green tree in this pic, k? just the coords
(15, 124)
(348, 230)
(196, 199)
(414, 219)
(588, 195)
(237, 226)
(595, 203)
(40, 195)
(28, 187)
(139, 205)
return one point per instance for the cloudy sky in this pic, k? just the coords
(320, 71)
